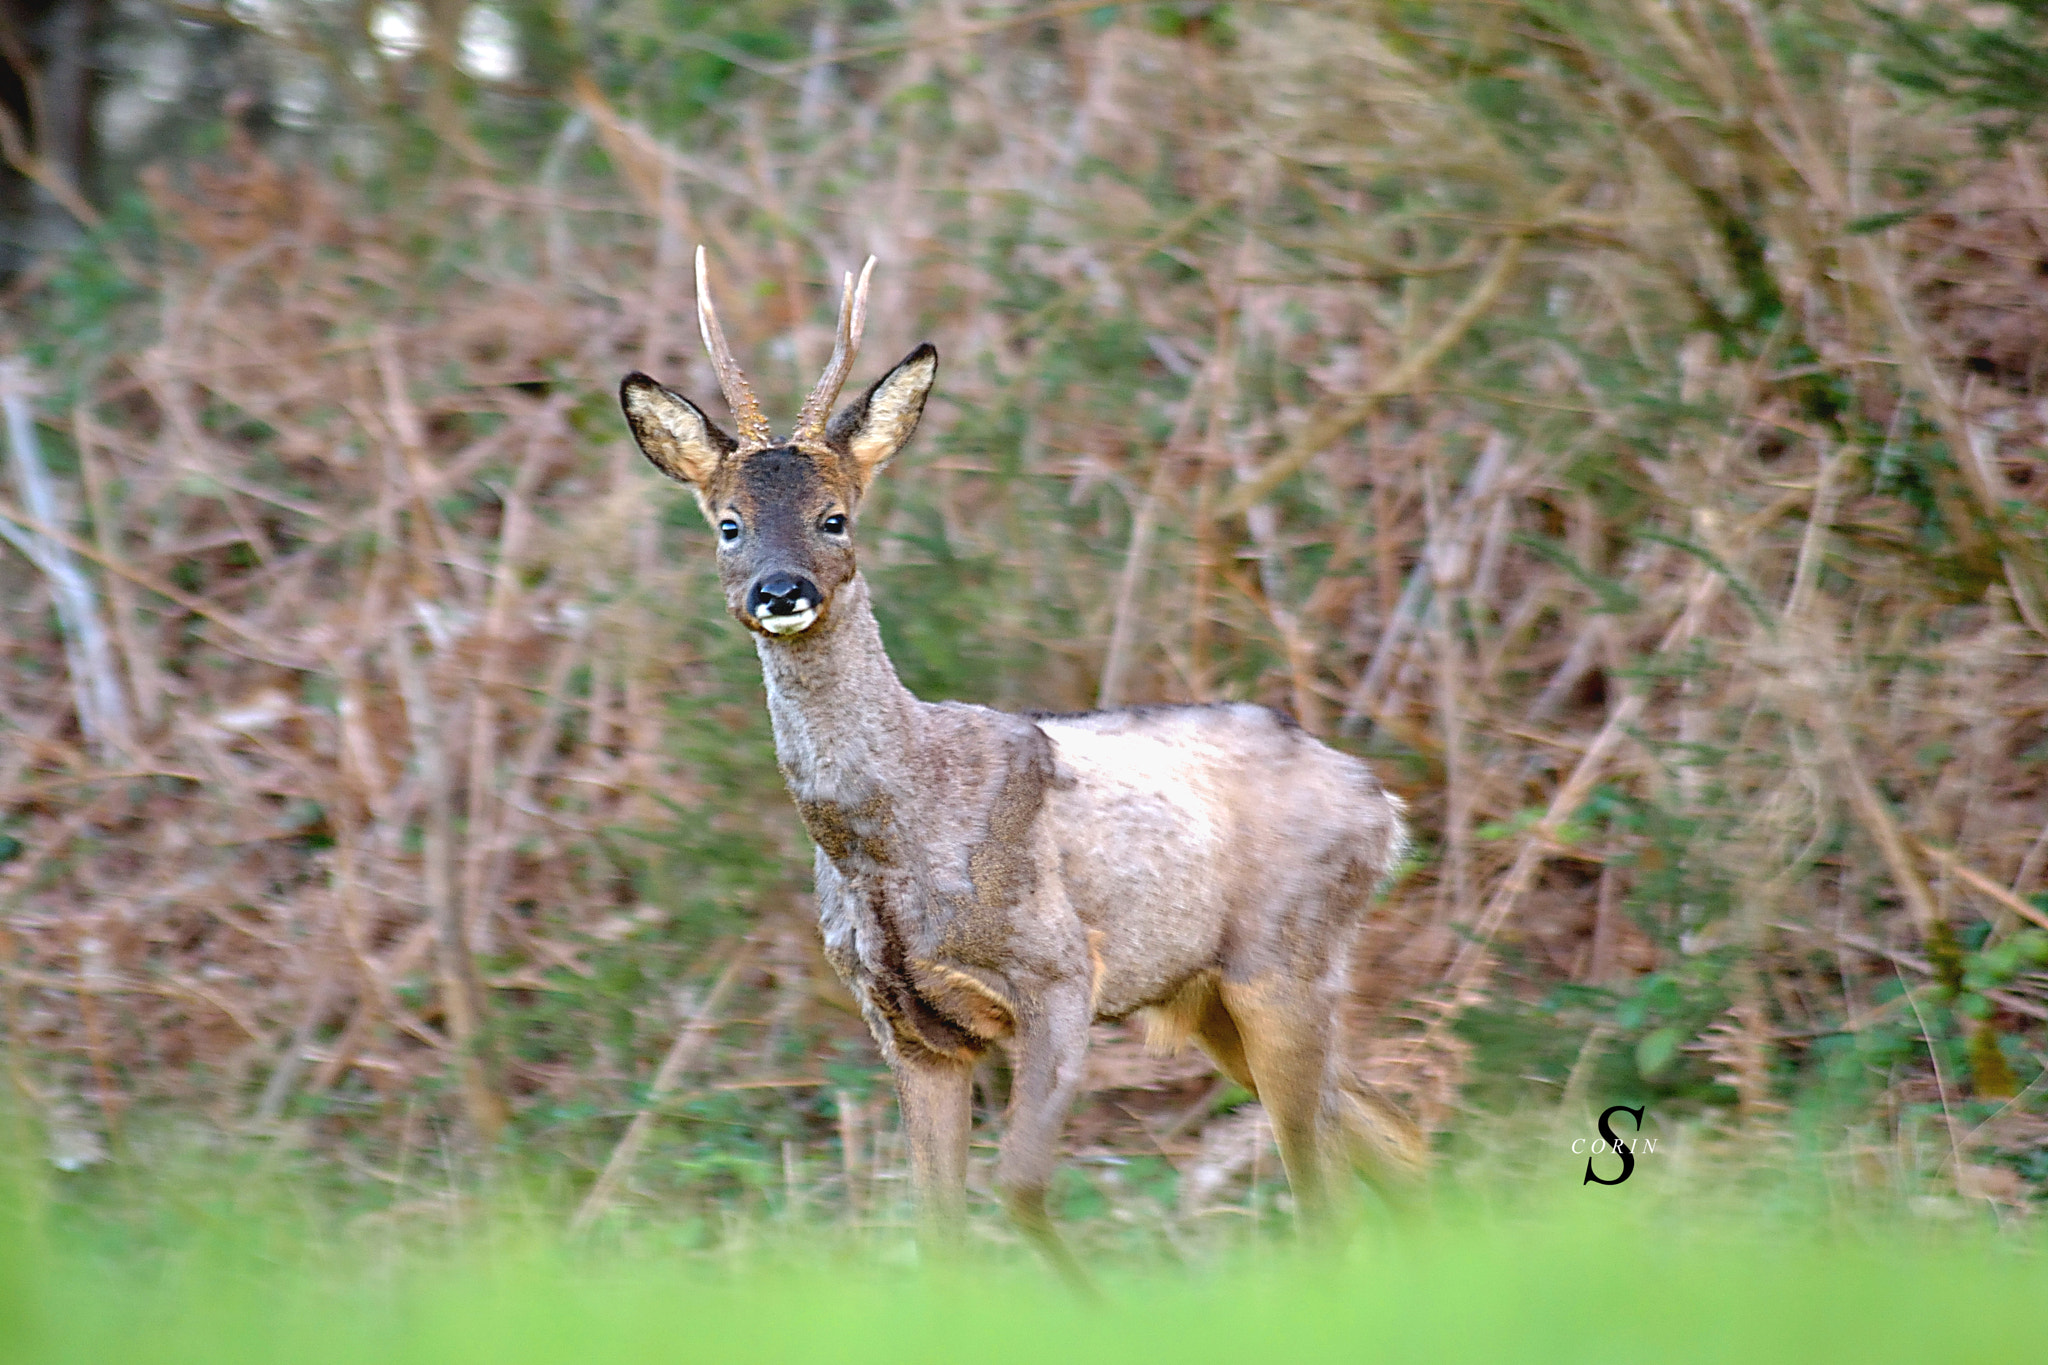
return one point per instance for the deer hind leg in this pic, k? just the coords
(1283, 1029)
(1363, 1133)
(1212, 1027)
(1374, 1138)
(1048, 1058)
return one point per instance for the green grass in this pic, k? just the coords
(1597, 1275)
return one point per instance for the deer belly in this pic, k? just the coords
(1143, 847)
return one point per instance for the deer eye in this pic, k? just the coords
(834, 525)
(729, 529)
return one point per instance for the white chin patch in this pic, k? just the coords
(788, 625)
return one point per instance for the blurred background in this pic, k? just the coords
(1623, 421)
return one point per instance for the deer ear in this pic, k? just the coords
(674, 434)
(876, 425)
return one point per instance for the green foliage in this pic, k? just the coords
(242, 1273)
(726, 856)
(681, 61)
(1987, 59)
(88, 307)
(1682, 883)
(935, 600)
(1609, 595)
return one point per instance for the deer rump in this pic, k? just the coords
(1162, 851)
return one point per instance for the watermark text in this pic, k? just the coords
(1610, 1141)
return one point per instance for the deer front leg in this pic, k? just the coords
(935, 1095)
(1049, 1053)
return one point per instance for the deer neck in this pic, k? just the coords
(844, 723)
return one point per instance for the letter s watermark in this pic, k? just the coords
(1628, 1159)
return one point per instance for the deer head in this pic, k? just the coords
(783, 510)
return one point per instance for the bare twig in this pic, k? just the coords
(681, 1053)
(1320, 432)
(102, 705)
(461, 992)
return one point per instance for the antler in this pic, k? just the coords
(739, 394)
(853, 320)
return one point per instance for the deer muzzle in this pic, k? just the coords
(784, 603)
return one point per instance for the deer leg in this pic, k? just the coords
(1217, 1033)
(1379, 1142)
(935, 1095)
(1048, 1058)
(1285, 1031)
(1365, 1132)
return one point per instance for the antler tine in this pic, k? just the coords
(739, 394)
(853, 320)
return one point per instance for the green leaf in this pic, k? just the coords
(1657, 1051)
(1878, 222)
(1615, 598)
(1521, 820)
(1735, 582)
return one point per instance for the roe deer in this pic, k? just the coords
(986, 877)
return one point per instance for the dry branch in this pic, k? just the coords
(689, 1041)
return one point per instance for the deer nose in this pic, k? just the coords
(784, 602)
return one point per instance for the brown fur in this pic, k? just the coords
(986, 877)
(960, 995)
(1172, 1024)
